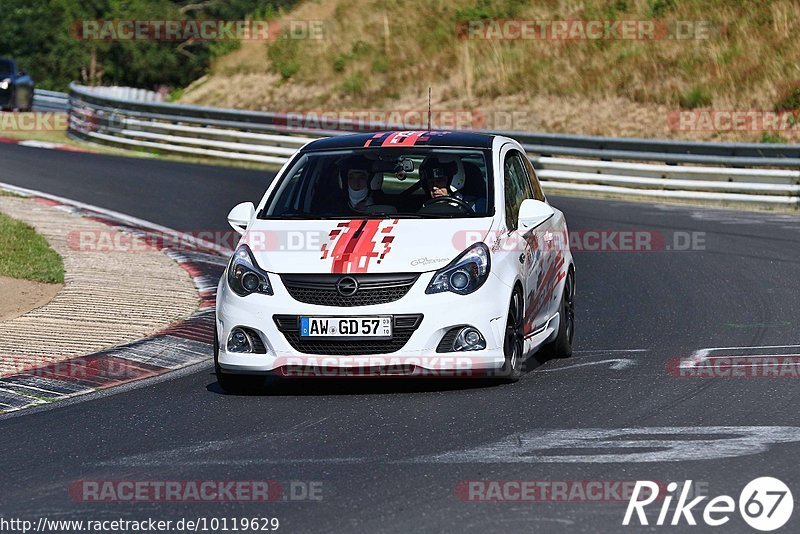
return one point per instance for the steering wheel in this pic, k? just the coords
(450, 200)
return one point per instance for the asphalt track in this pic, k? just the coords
(390, 454)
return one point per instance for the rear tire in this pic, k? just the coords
(234, 383)
(561, 346)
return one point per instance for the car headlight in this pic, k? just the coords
(465, 274)
(245, 276)
(5, 83)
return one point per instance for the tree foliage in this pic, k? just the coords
(41, 36)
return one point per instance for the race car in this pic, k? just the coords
(413, 253)
(16, 87)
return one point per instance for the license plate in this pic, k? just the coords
(346, 327)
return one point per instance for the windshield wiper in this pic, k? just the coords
(455, 215)
(392, 216)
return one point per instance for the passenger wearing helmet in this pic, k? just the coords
(363, 186)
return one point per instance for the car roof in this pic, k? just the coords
(401, 139)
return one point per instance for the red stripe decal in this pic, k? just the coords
(353, 244)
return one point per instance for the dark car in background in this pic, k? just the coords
(16, 87)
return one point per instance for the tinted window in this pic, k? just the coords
(538, 194)
(517, 187)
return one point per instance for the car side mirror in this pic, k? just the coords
(22, 73)
(241, 215)
(532, 213)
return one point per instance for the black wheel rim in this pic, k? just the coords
(514, 338)
(569, 306)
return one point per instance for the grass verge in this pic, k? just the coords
(26, 255)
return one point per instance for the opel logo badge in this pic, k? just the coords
(347, 286)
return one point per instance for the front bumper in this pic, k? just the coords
(485, 309)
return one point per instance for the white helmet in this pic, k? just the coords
(459, 178)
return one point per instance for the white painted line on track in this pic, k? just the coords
(612, 445)
(748, 356)
(595, 351)
(622, 445)
(702, 355)
(617, 364)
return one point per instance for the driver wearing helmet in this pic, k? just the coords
(443, 176)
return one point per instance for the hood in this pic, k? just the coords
(361, 245)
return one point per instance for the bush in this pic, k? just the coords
(771, 138)
(354, 85)
(789, 99)
(696, 98)
(488, 9)
(658, 8)
(380, 64)
(284, 55)
(339, 63)
(175, 94)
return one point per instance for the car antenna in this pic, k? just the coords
(429, 109)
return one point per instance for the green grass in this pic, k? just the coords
(771, 137)
(696, 98)
(789, 98)
(26, 255)
(354, 84)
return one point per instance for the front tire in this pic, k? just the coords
(514, 340)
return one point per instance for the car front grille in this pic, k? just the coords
(404, 326)
(372, 289)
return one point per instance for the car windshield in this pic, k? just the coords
(390, 182)
(5, 67)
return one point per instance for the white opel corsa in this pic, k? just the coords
(396, 253)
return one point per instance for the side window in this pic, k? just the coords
(285, 198)
(516, 186)
(538, 194)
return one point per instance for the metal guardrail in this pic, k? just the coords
(50, 100)
(673, 169)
